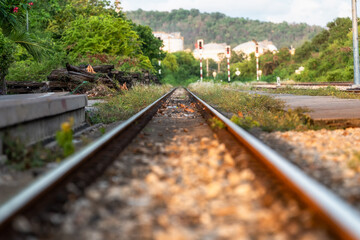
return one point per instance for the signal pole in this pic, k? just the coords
(200, 44)
(160, 57)
(228, 55)
(257, 59)
(355, 44)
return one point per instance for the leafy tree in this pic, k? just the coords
(100, 34)
(69, 10)
(170, 63)
(11, 27)
(149, 44)
(304, 52)
(180, 68)
(339, 29)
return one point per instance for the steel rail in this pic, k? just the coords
(340, 215)
(38, 189)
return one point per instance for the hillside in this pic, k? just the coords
(217, 27)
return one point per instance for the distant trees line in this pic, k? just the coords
(325, 58)
(217, 27)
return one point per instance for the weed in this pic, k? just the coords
(354, 162)
(245, 122)
(123, 106)
(102, 130)
(253, 110)
(64, 138)
(24, 157)
(216, 123)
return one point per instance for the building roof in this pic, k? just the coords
(249, 47)
(211, 50)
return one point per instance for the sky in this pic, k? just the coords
(313, 12)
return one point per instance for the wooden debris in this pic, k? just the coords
(69, 78)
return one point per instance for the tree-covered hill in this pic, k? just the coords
(217, 27)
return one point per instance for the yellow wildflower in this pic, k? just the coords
(66, 127)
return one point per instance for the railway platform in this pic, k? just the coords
(324, 109)
(34, 117)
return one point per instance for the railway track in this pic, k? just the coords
(177, 179)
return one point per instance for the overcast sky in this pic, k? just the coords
(318, 12)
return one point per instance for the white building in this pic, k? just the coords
(249, 47)
(173, 42)
(212, 51)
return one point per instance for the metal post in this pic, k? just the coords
(355, 44)
(228, 66)
(117, 2)
(27, 20)
(257, 69)
(201, 69)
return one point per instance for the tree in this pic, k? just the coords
(70, 10)
(217, 27)
(108, 35)
(149, 44)
(11, 26)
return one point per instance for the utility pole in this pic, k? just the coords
(355, 44)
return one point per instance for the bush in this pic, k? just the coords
(340, 75)
(99, 35)
(30, 70)
(180, 68)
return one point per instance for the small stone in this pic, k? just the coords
(224, 211)
(116, 193)
(234, 178)
(228, 160)
(158, 170)
(152, 178)
(213, 189)
(93, 194)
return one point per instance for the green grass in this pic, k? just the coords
(253, 110)
(126, 104)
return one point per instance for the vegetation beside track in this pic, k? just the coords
(253, 110)
(127, 103)
(116, 108)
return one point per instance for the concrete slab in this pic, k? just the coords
(327, 110)
(34, 117)
(323, 107)
(15, 109)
